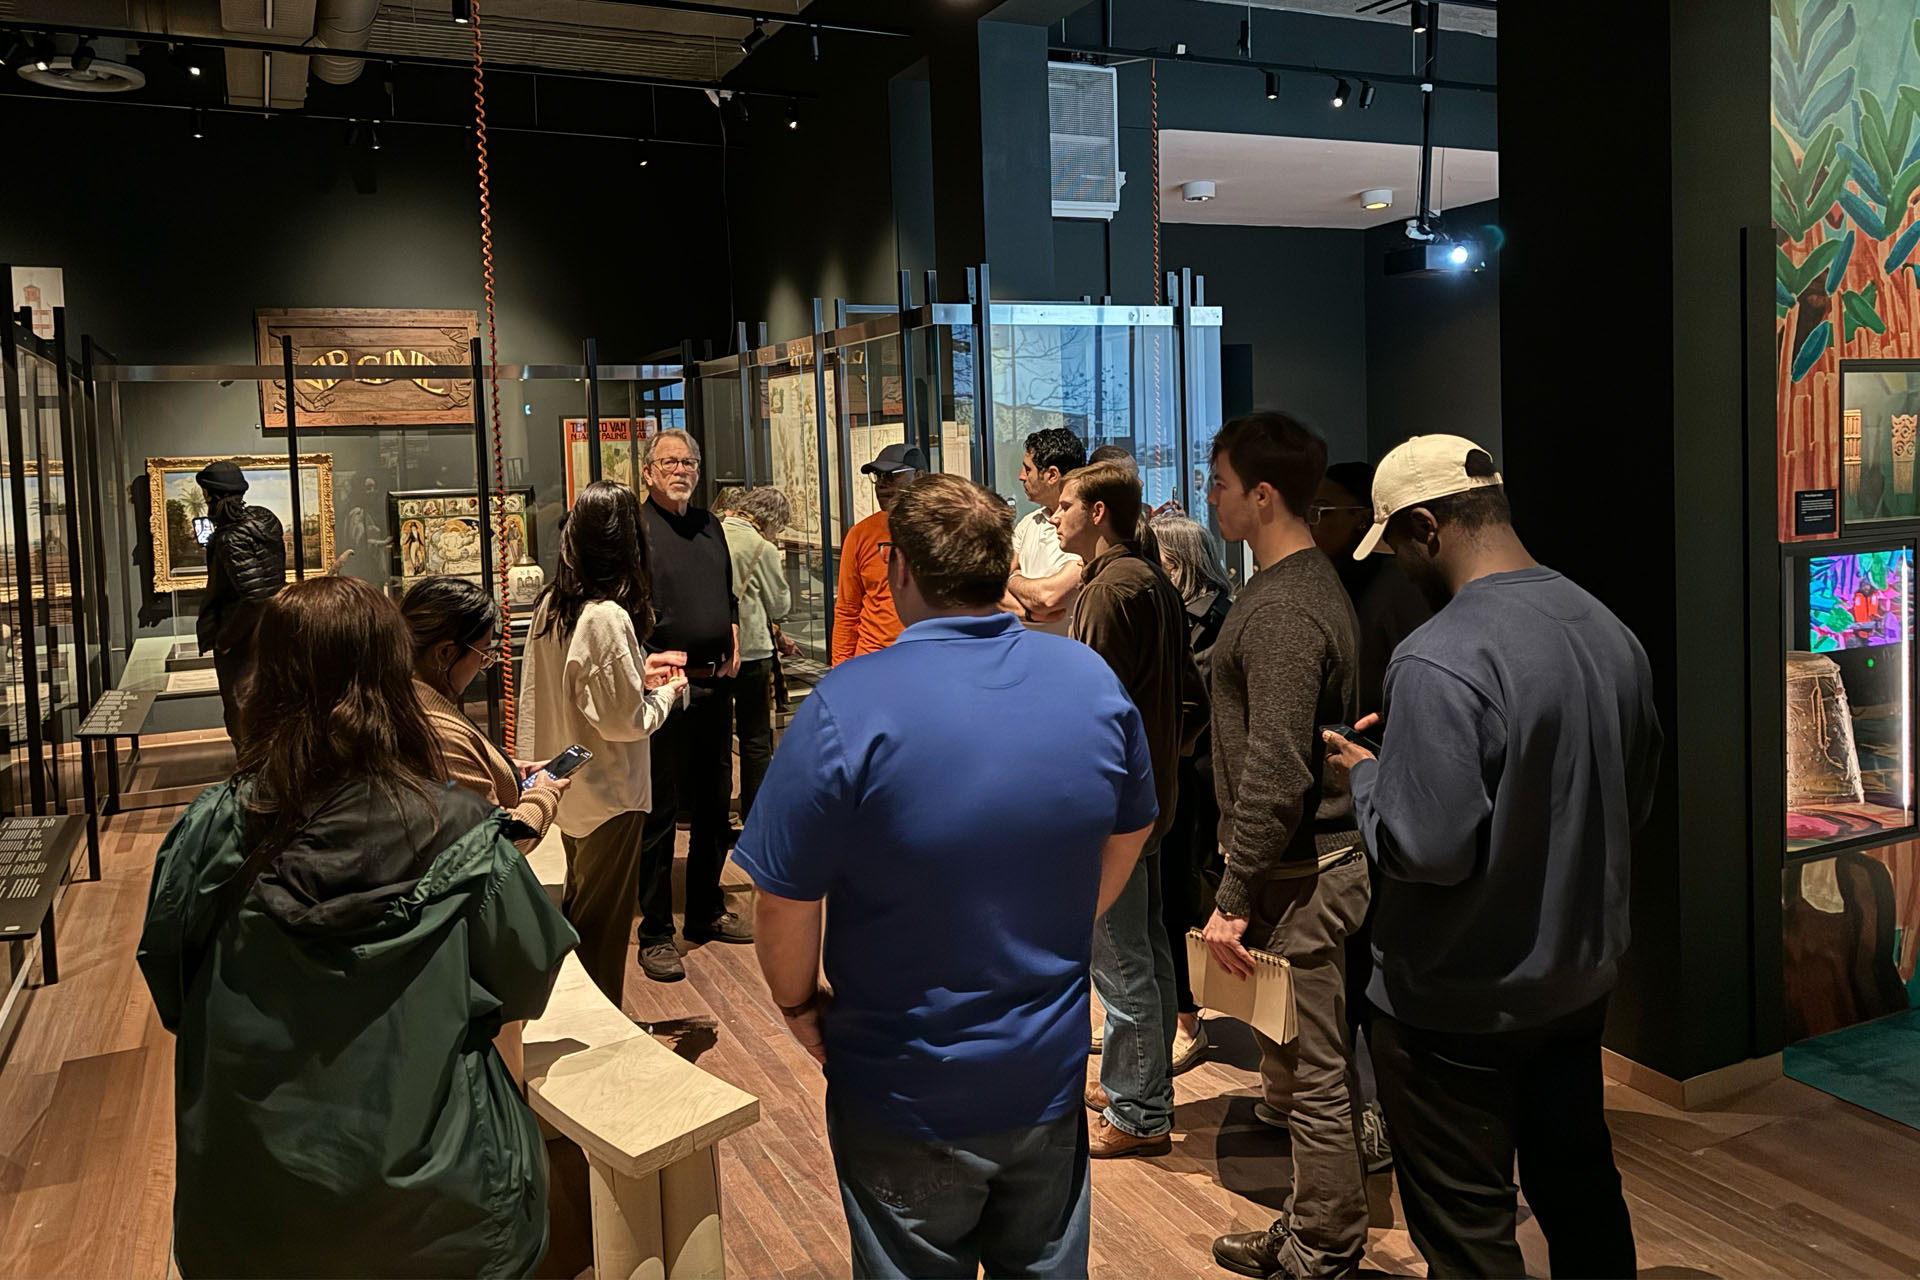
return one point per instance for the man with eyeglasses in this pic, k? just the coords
(696, 612)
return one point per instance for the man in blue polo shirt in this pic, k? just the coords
(954, 1036)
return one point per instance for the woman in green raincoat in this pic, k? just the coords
(335, 936)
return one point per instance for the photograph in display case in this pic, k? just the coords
(437, 531)
(620, 441)
(1849, 697)
(1879, 419)
(176, 501)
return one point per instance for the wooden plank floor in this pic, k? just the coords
(1783, 1181)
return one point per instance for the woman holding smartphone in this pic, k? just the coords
(587, 682)
(455, 627)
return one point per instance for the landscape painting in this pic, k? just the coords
(180, 562)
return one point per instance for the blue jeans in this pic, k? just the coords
(1133, 972)
(1017, 1203)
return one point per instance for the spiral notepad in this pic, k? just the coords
(1264, 1001)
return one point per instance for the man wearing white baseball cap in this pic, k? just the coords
(1520, 757)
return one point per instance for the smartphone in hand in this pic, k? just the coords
(1366, 740)
(560, 766)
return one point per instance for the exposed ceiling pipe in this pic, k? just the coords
(342, 24)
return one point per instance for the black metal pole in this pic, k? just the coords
(747, 407)
(983, 369)
(22, 559)
(828, 579)
(1426, 116)
(1183, 321)
(76, 576)
(593, 411)
(909, 419)
(485, 507)
(293, 465)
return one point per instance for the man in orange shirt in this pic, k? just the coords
(863, 616)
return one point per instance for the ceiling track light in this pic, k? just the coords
(1341, 92)
(373, 136)
(463, 12)
(15, 52)
(199, 122)
(82, 56)
(1246, 37)
(642, 153)
(1366, 94)
(815, 37)
(754, 38)
(1418, 16)
(793, 114)
(42, 53)
(1273, 87)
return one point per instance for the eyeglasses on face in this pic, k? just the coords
(1319, 509)
(675, 464)
(489, 656)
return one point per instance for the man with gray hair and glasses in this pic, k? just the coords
(695, 610)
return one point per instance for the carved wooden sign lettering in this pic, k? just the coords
(329, 343)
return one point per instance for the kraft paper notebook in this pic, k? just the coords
(1264, 1001)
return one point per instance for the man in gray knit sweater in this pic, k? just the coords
(1295, 881)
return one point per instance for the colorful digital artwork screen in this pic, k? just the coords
(1859, 601)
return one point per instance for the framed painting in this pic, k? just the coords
(620, 440)
(329, 339)
(180, 561)
(47, 555)
(437, 531)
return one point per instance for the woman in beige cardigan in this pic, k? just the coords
(454, 624)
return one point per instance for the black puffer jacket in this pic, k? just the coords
(246, 563)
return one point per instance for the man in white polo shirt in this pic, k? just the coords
(1045, 579)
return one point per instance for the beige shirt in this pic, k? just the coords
(1036, 544)
(477, 765)
(588, 687)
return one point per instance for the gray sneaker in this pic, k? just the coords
(1374, 1147)
(661, 962)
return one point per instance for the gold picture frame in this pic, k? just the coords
(179, 561)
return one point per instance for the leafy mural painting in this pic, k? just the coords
(1846, 169)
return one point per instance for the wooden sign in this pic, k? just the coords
(328, 343)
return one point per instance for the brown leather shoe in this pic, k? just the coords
(1105, 1142)
(1097, 1099)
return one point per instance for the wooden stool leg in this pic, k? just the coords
(627, 1242)
(690, 1217)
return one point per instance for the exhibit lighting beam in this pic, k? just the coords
(1299, 68)
(774, 19)
(406, 59)
(200, 115)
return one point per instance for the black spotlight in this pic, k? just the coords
(1273, 87)
(1418, 16)
(188, 59)
(1341, 92)
(642, 153)
(199, 122)
(1246, 38)
(793, 114)
(754, 38)
(462, 12)
(82, 56)
(740, 105)
(42, 53)
(373, 136)
(15, 52)
(1366, 94)
(816, 44)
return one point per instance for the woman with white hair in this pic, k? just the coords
(1192, 555)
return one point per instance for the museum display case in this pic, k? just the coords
(1849, 694)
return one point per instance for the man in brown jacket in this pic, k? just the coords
(1131, 615)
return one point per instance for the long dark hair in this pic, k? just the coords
(332, 699)
(603, 556)
(442, 609)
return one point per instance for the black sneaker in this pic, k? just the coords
(725, 927)
(661, 962)
(1374, 1147)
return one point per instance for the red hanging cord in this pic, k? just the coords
(493, 377)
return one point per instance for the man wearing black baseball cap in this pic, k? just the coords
(864, 619)
(246, 563)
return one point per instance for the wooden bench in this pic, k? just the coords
(646, 1118)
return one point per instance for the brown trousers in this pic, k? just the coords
(1311, 1081)
(600, 899)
